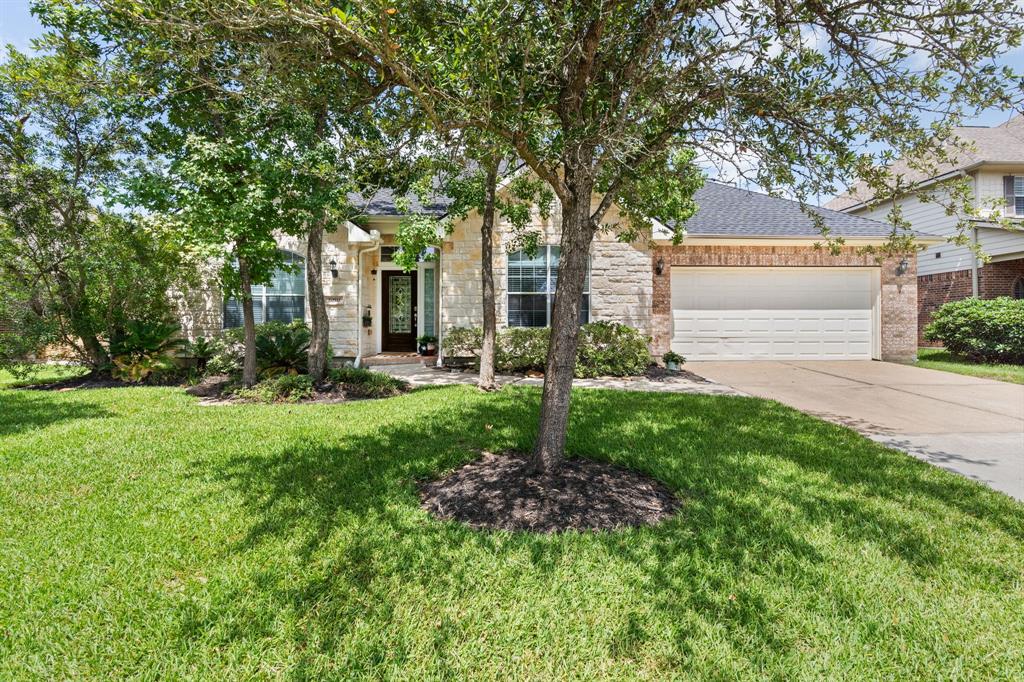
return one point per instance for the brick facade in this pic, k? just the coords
(899, 293)
(994, 280)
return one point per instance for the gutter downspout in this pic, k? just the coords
(440, 303)
(359, 295)
(974, 262)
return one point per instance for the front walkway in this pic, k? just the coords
(418, 375)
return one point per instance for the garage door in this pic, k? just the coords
(774, 313)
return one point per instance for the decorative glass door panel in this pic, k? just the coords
(399, 315)
(400, 305)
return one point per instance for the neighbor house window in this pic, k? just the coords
(1018, 195)
(531, 288)
(283, 300)
(1018, 288)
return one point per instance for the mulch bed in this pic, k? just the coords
(499, 492)
(89, 381)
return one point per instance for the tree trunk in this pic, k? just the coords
(319, 324)
(577, 234)
(249, 325)
(489, 349)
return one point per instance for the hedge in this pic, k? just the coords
(981, 330)
(605, 349)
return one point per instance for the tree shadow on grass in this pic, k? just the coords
(754, 476)
(25, 410)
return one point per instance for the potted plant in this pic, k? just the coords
(426, 344)
(673, 360)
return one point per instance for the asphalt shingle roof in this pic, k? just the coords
(970, 146)
(724, 210)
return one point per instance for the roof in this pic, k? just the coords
(382, 203)
(727, 211)
(723, 211)
(1001, 144)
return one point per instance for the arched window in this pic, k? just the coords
(531, 288)
(1018, 288)
(283, 300)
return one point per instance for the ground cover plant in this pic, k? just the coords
(146, 535)
(942, 359)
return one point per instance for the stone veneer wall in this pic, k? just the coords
(200, 310)
(899, 293)
(620, 274)
(994, 280)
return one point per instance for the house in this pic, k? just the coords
(993, 165)
(746, 283)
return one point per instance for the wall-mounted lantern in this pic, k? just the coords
(903, 267)
(334, 268)
(368, 317)
(659, 267)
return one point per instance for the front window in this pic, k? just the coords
(1018, 288)
(283, 300)
(531, 288)
(1018, 195)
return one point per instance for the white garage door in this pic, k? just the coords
(774, 313)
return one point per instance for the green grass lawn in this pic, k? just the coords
(939, 358)
(146, 536)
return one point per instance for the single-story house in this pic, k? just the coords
(992, 162)
(746, 283)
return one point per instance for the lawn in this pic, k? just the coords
(147, 536)
(939, 358)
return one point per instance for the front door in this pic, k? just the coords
(399, 303)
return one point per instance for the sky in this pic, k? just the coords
(18, 27)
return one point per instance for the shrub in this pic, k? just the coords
(462, 342)
(982, 331)
(287, 388)
(362, 383)
(611, 349)
(201, 350)
(280, 349)
(144, 349)
(522, 349)
(605, 349)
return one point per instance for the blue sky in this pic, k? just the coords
(18, 27)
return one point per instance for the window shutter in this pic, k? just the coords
(1008, 198)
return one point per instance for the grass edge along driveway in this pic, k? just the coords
(941, 359)
(148, 536)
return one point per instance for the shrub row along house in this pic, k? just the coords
(746, 283)
(993, 164)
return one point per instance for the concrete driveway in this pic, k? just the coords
(974, 427)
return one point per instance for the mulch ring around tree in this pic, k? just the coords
(500, 492)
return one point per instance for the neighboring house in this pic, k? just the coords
(994, 167)
(746, 283)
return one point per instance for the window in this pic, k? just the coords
(283, 300)
(1018, 288)
(429, 302)
(531, 288)
(1018, 195)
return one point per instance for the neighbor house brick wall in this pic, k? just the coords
(994, 280)
(898, 295)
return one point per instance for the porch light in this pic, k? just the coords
(659, 267)
(903, 267)
(334, 268)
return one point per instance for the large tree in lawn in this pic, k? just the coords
(600, 96)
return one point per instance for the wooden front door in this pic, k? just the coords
(398, 294)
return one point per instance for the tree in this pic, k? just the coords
(74, 271)
(468, 172)
(605, 98)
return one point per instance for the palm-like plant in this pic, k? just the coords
(282, 350)
(143, 348)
